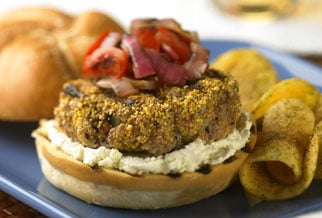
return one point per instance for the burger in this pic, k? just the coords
(149, 125)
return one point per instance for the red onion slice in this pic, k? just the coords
(168, 73)
(112, 39)
(141, 64)
(169, 51)
(197, 63)
(122, 88)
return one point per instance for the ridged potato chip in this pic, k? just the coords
(283, 163)
(252, 70)
(288, 151)
(318, 110)
(288, 88)
(318, 135)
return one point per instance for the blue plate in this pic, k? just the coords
(21, 177)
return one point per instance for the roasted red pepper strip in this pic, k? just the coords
(106, 61)
(100, 61)
(98, 42)
(175, 41)
(146, 38)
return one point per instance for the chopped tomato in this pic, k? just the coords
(106, 61)
(146, 38)
(175, 41)
(98, 42)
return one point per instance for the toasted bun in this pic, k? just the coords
(40, 49)
(118, 189)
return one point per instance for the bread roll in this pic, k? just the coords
(40, 49)
(113, 188)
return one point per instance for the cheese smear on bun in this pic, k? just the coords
(188, 159)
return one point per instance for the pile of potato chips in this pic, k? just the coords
(288, 153)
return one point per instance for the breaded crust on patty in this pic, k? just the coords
(151, 122)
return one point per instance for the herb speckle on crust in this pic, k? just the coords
(154, 123)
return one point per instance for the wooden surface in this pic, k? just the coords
(11, 207)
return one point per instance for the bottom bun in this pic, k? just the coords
(107, 187)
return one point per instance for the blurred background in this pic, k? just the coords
(289, 25)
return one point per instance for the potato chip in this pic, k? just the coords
(318, 110)
(318, 135)
(252, 70)
(289, 88)
(283, 163)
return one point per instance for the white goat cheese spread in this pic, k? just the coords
(187, 159)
